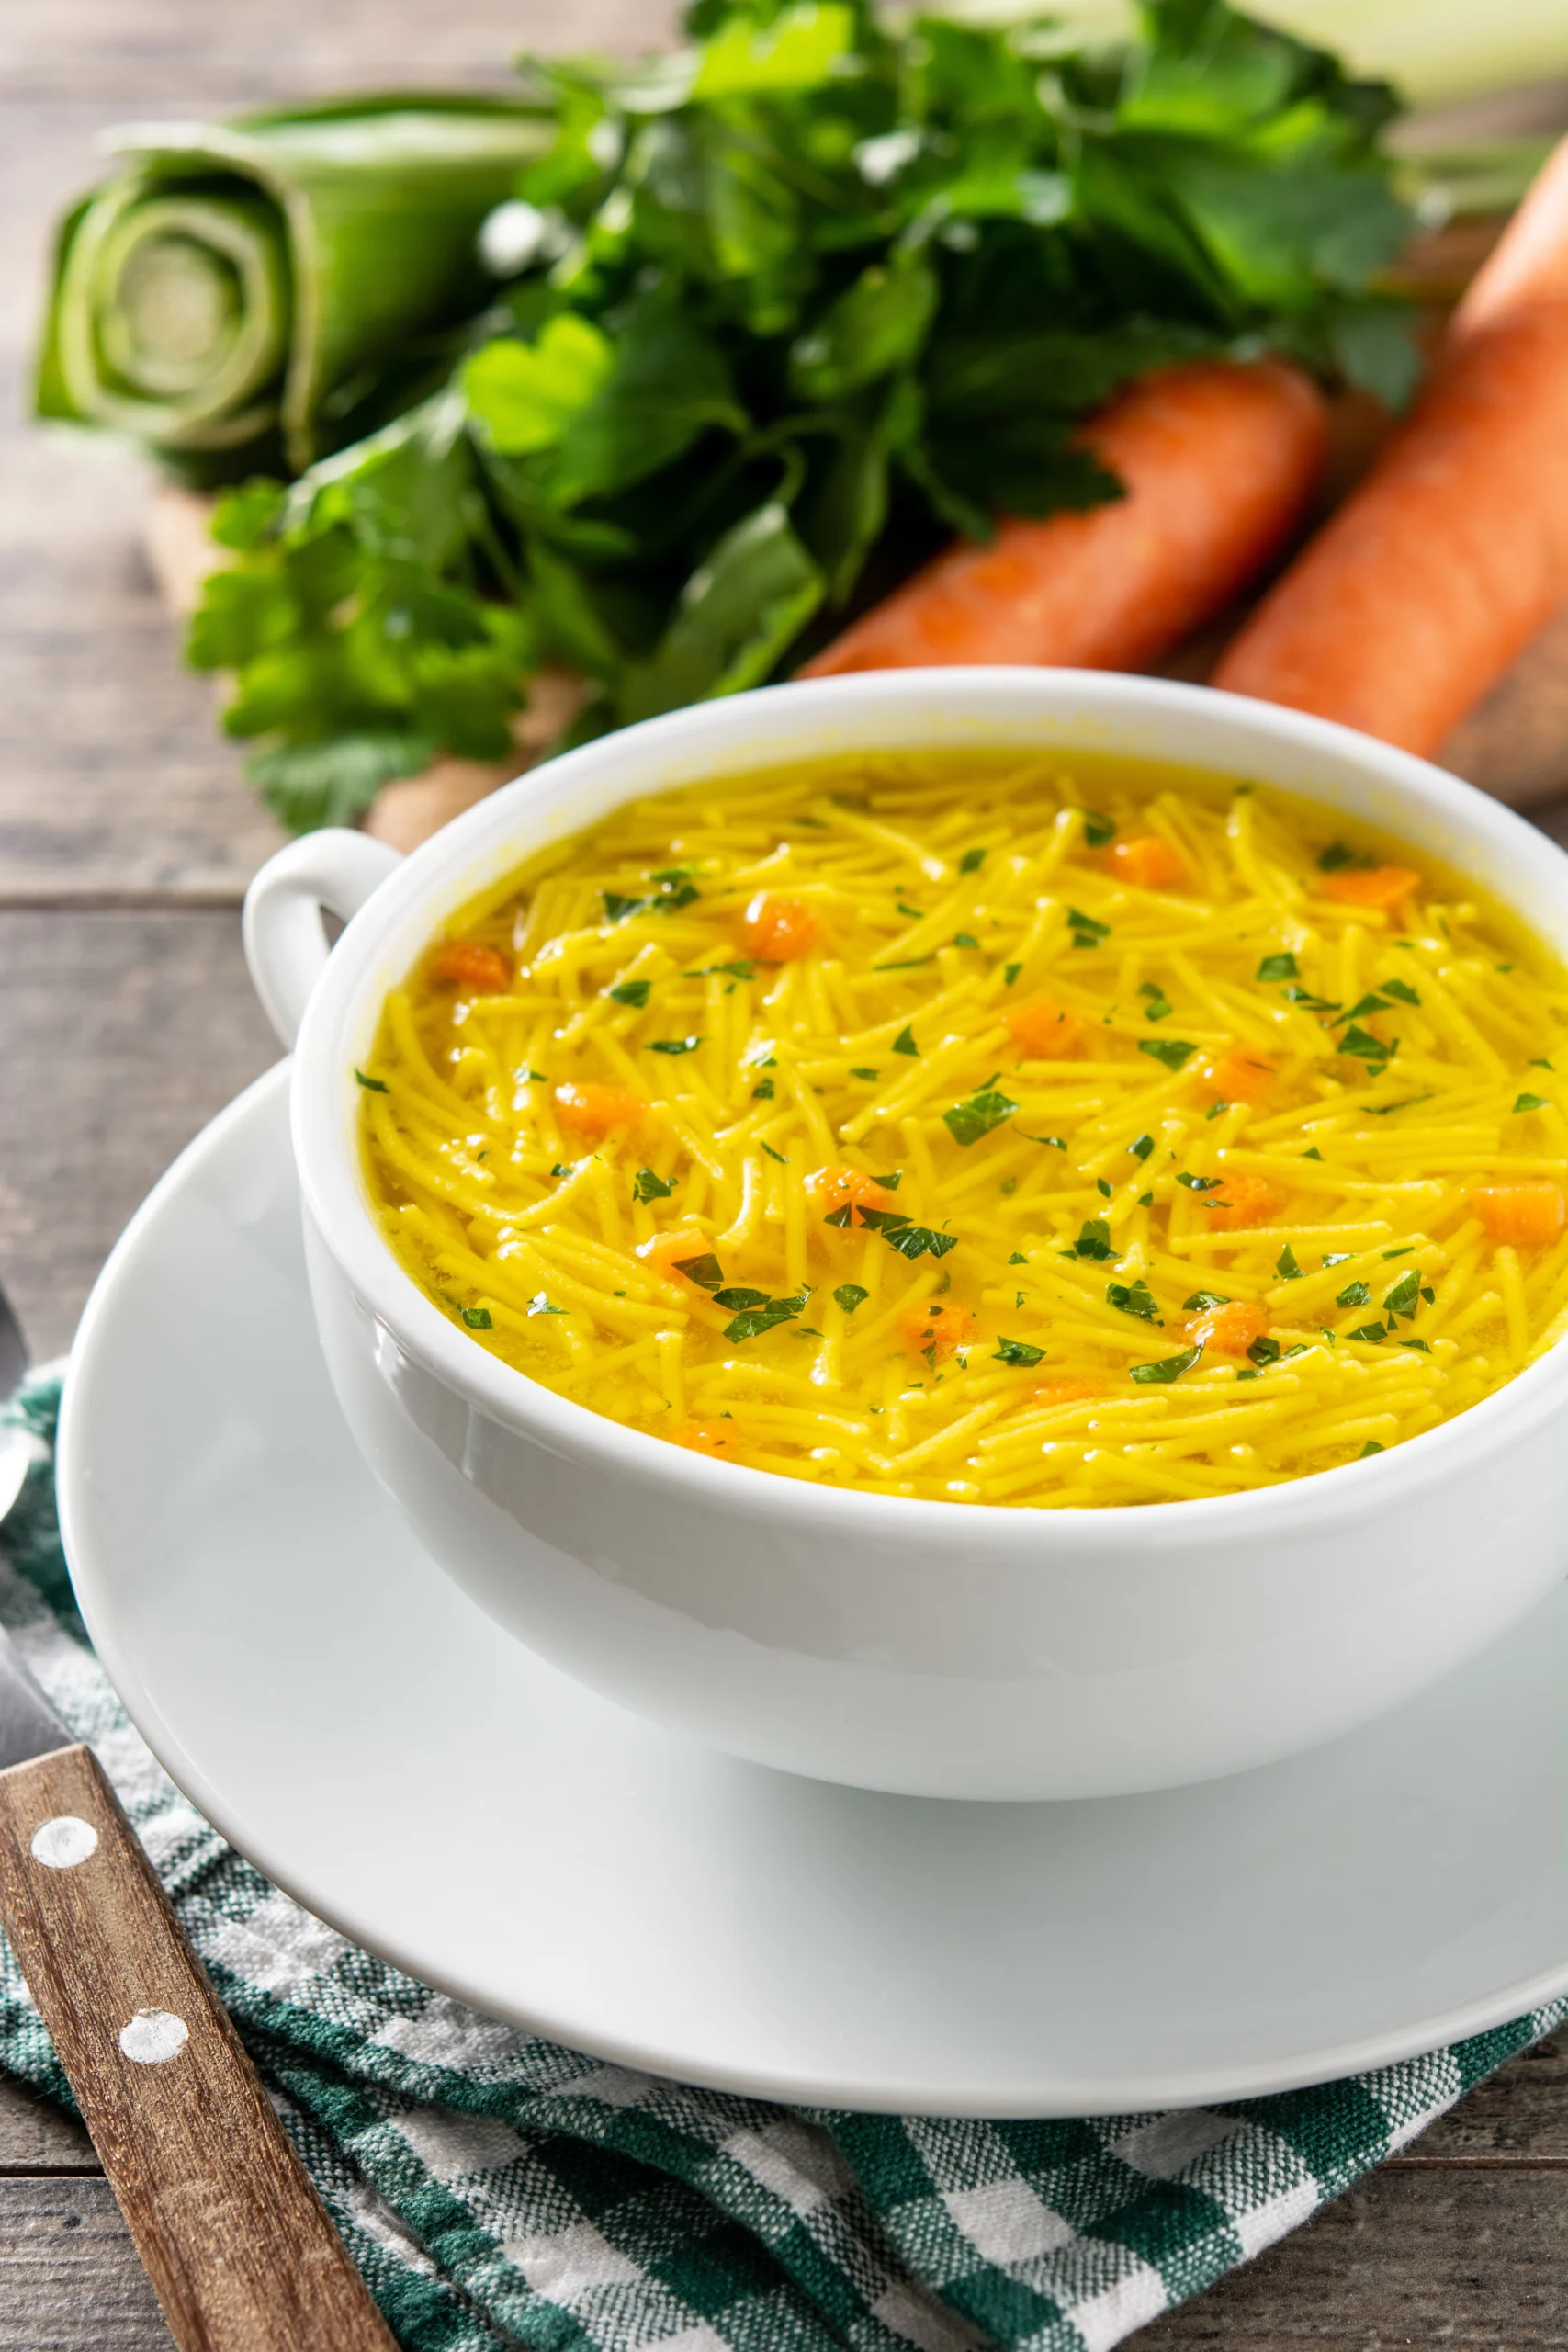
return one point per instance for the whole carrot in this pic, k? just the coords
(1217, 461)
(1417, 597)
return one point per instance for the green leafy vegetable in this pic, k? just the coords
(1167, 1368)
(1277, 968)
(1018, 1352)
(1353, 1295)
(1134, 1298)
(1098, 831)
(646, 1186)
(849, 1296)
(1373, 1333)
(760, 1314)
(1200, 1183)
(903, 1043)
(1285, 1265)
(910, 1241)
(1094, 1241)
(372, 1085)
(1532, 1102)
(633, 992)
(673, 1045)
(705, 1271)
(1202, 1298)
(1172, 1051)
(1141, 1147)
(972, 861)
(1402, 1298)
(1361, 1044)
(966, 1121)
(478, 1318)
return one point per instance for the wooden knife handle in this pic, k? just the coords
(235, 2240)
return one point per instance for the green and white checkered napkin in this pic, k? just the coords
(496, 2189)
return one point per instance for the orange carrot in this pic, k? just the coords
(1069, 1390)
(778, 930)
(935, 1331)
(1524, 1215)
(718, 1440)
(470, 964)
(1228, 1331)
(1379, 889)
(596, 1109)
(1241, 1199)
(1417, 597)
(666, 1252)
(1148, 863)
(1238, 1078)
(837, 1188)
(1044, 1031)
(1217, 461)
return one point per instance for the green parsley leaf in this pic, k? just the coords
(478, 1318)
(764, 1145)
(1371, 1002)
(1532, 1102)
(705, 1271)
(1134, 1298)
(1094, 1241)
(1370, 1447)
(764, 1090)
(1337, 1257)
(1010, 973)
(646, 1186)
(1172, 1051)
(1019, 1352)
(753, 1321)
(1202, 1298)
(562, 1168)
(1167, 1368)
(849, 1296)
(1057, 1143)
(1263, 1351)
(910, 1241)
(539, 1304)
(1141, 1147)
(673, 1045)
(965, 939)
(735, 1301)
(633, 992)
(966, 1121)
(1364, 1046)
(1538, 1063)
(1018, 1259)
(972, 861)
(1400, 988)
(1312, 1152)
(1086, 932)
(371, 1085)
(903, 1043)
(1281, 967)
(741, 968)
(893, 1178)
(1285, 1265)
(1353, 1295)
(1200, 1183)
(1426, 1350)
(916, 914)
(1381, 1110)
(1402, 1298)
(1333, 857)
(1373, 1334)
(869, 1075)
(1098, 831)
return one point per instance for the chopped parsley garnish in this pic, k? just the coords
(1371, 1002)
(1019, 1351)
(1200, 1184)
(906, 964)
(1214, 1109)
(1168, 1368)
(1312, 1152)
(649, 1187)
(764, 1090)
(869, 1075)
(1285, 1265)
(1337, 1257)
(674, 890)
(1532, 1102)
(1381, 1110)
(965, 939)
(1281, 967)
(1310, 1003)
(1018, 1259)
(1416, 1343)
(478, 1319)
(1102, 1188)
(705, 1271)
(562, 1168)
(1401, 1252)
(966, 1121)
(371, 1085)
(1134, 1298)
(767, 1148)
(1263, 1350)
(1057, 1143)
(1086, 932)
(734, 1302)
(1333, 857)
(1141, 1147)
(1172, 1051)
(633, 992)
(910, 1241)
(540, 1305)
(849, 1296)
(673, 1045)
(1353, 1295)
(1401, 988)
(903, 1043)
(916, 914)
(1098, 831)
(893, 1178)
(972, 861)
(1094, 1241)
(1205, 1298)
(1010, 972)
(1370, 1447)
(741, 969)
(1402, 1299)
(1373, 1334)
(1536, 1063)
(766, 1315)
(1159, 1007)
(1365, 1047)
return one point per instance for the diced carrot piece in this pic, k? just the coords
(1524, 1215)
(1044, 1031)
(1069, 1390)
(1228, 1331)
(596, 1109)
(935, 1331)
(1238, 1078)
(664, 1252)
(837, 1188)
(470, 964)
(1379, 889)
(1241, 1199)
(718, 1440)
(778, 930)
(1147, 861)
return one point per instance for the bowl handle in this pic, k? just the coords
(286, 942)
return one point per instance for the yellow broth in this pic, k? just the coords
(1008, 1129)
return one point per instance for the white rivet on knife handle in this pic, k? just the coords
(152, 2037)
(64, 1842)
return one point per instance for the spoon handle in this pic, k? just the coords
(235, 2240)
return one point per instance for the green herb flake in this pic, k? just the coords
(1055, 1143)
(1018, 1352)
(764, 1090)
(1099, 831)
(1402, 1299)
(1086, 932)
(736, 1302)
(972, 861)
(1263, 1351)
(1010, 973)
(705, 1271)
(764, 1145)
(1364, 1046)
(1400, 988)
(632, 992)
(1285, 1265)
(1337, 1257)
(1133, 1298)
(1426, 1350)
(1018, 1259)
(1336, 856)
(965, 939)
(966, 1121)
(1371, 1002)
(741, 968)
(1141, 1147)
(1200, 1183)
(1202, 1298)
(646, 1186)
(1094, 1241)
(371, 1085)
(1172, 1051)
(1214, 1109)
(1281, 967)
(910, 1241)
(849, 1296)
(869, 1075)
(1532, 1102)
(893, 1178)
(540, 1305)
(1538, 1064)
(916, 914)
(1353, 1295)
(1312, 1152)
(674, 1044)
(478, 1318)
(753, 1321)
(562, 1168)
(1373, 1334)
(903, 1043)
(1401, 1252)
(1370, 1447)
(1167, 1369)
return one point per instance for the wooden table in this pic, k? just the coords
(125, 840)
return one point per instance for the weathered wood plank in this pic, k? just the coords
(69, 2278)
(124, 1035)
(36, 2137)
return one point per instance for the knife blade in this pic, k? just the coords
(238, 2246)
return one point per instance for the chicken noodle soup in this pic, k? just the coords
(1007, 1129)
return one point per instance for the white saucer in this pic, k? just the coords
(374, 1744)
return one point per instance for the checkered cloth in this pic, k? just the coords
(496, 2189)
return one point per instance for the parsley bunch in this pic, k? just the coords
(786, 309)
